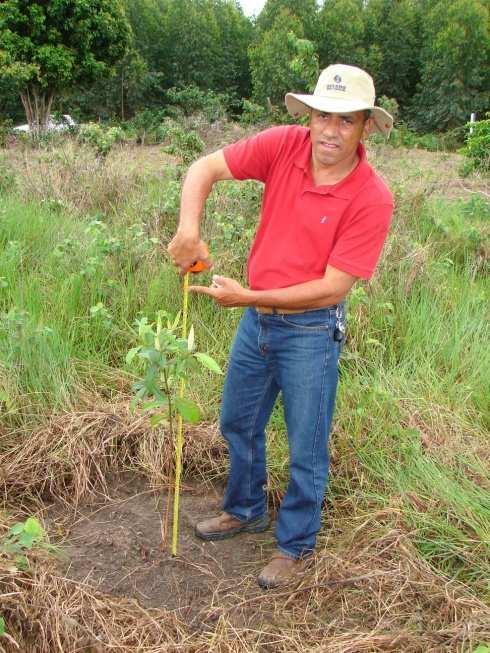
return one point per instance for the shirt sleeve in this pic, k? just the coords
(359, 242)
(252, 158)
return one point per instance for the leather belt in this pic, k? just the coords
(272, 310)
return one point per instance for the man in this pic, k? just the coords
(324, 218)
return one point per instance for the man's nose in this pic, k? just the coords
(331, 126)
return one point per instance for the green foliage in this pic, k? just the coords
(341, 33)
(120, 95)
(147, 126)
(282, 61)
(191, 100)
(477, 146)
(482, 648)
(2, 626)
(49, 48)
(7, 177)
(455, 65)
(461, 230)
(21, 538)
(392, 40)
(5, 132)
(100, 137)
(184, 143)
(305, 12)
(304, 63)
(253, 114)
(100, 313)
(187, 43)
(390, 105)
(166, 360)
(402, 136)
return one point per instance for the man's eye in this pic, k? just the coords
(347, 120)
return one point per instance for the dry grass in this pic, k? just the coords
(367, 589)
(76, 179)
(376, 595)
(72, 453)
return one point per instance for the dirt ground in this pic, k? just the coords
(114, 545)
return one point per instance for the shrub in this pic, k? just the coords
(191, 99)
(477, 148)
(5, 132)
(145, 126)
(99, 137)
(391, 105)
(253, 114)
(186, 144)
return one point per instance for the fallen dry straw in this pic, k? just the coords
(71, 455)
(367, 591)
(377, 596)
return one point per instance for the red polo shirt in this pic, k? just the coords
(304, 227)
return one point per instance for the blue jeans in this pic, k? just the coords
(294, 354)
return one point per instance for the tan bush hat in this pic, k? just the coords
(340, 89)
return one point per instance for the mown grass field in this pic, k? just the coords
(403, 557)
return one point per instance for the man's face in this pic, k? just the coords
(335, 136)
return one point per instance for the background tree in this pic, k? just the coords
(305, 11)
(199, 43)
(128, 90)
(47, 48)
(235, 33)
(392, 45)
(455, 77)
(341, 33)
(278, 60)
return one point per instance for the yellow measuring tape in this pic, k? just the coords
(179, 441)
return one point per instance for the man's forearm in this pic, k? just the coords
(186, 246)
(311, 294)
(327, 291)
(195, 191)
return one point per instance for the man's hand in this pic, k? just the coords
(225, 292)
(185, 251)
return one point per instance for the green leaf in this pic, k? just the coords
(176, 322)
(190, 339)
(156, 403)
(188, 409)
(482, 648)
(2, 626)
(16, 529)
(33, 527)
(131, 354)
(26, 540)
(157, 419)
(207, 361)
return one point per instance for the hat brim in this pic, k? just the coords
(298, 105)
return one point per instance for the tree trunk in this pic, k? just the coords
(37, 105)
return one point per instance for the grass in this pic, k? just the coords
(409, 463)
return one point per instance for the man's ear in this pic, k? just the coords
(369, 127)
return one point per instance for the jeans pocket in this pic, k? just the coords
(309, 321)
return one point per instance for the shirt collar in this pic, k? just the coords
(344, 189)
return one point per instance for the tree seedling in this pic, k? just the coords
(167, 360)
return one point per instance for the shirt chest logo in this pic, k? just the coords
(324, 219)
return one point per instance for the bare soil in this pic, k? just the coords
(115, 546)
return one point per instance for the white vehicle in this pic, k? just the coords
(66, 122)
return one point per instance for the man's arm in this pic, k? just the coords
(186, 246)
(327, 291)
